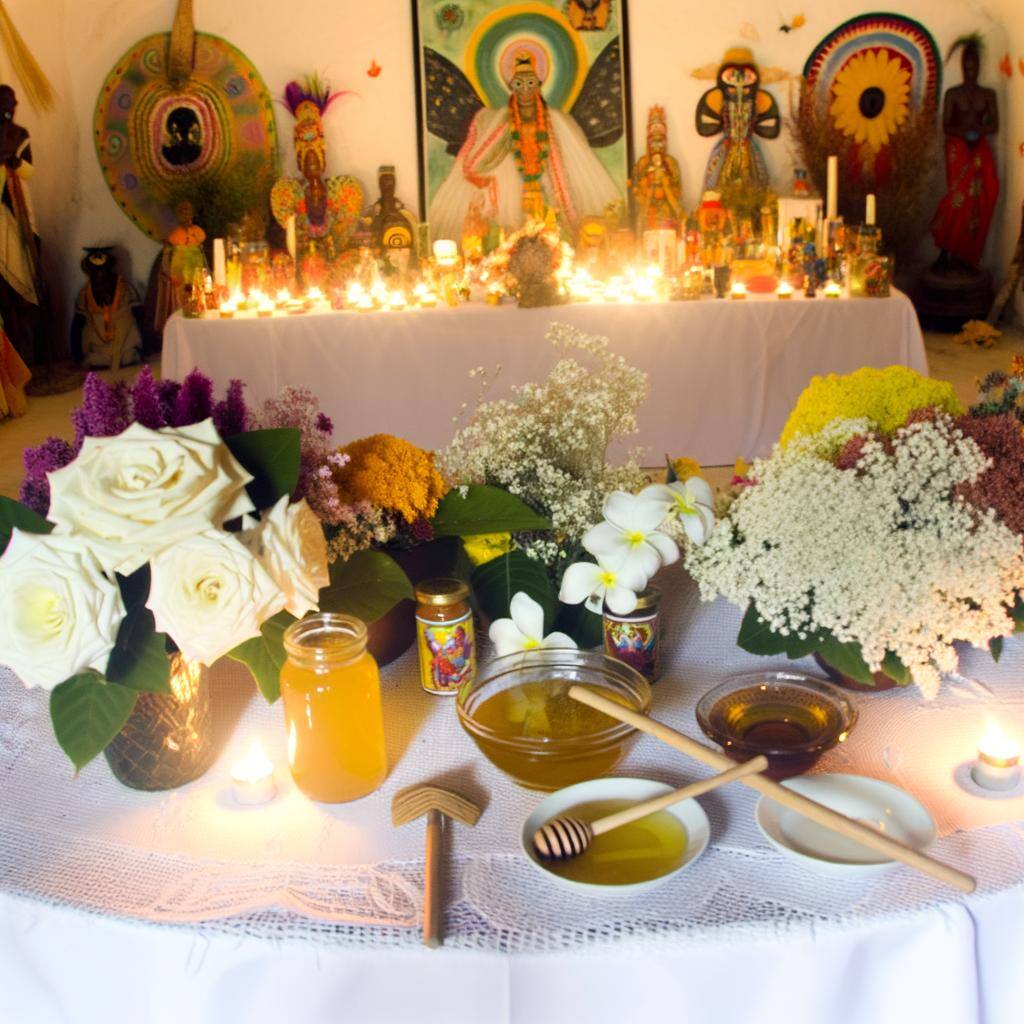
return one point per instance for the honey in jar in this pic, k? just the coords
(444, 635)
(330, 689)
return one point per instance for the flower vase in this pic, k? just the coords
(882, 681)
(168, 740)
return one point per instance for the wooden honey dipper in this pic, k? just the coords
(566, 837)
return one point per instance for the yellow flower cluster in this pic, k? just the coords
(885, 397)
(391, 474)
(685, 467)
(978, 334)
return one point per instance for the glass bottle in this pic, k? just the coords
(330, 688)
(636, 638)
(444, 635)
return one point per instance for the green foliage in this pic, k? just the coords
(264, 655)
(139, 658)
(485, 510)
(496, 582)
(579, 622)
(14, 514)
(273, 458)
(368, 585)
(87, 714)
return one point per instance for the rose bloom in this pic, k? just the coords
(59, 615)
(290, 544)
(209, 594)
(142, 490)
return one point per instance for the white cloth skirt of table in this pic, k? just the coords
(723, 374)
(181, 906)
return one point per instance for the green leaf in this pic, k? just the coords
(846, 658)
(496, 582)
(1017, 614)
(895, 669)
(264, 655)
(995, 646)
(14, 514)
(272, 456)
(579, 622)
(757, 637)
(139, 658)
(87, 714)
(485, 510)
(367, 586)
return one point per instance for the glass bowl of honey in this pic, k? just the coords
(789, 717)
(519, 713)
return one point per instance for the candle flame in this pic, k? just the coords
(254, 766)
(995, 745)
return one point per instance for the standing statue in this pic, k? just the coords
(970, 112)
(20, 278)
(176, 266)
(326, 210)
(391, 224)
(105, 330)
(739, 110)
(657, 183)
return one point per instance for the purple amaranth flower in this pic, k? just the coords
(194, 402)
(146, 404)
(35, 494)
(54, 453)
(421, 530)
(168, 392)
(231, 416)
(104, 411)
(325, 424)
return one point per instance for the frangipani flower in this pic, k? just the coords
(525, 630)
(629, 539)
(689, 501)
(600, 584)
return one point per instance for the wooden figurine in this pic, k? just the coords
(657, 183)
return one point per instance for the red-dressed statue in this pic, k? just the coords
(970, 113)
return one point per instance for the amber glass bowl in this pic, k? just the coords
(519, 714)
(789, 717)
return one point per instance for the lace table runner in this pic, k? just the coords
(328, 874)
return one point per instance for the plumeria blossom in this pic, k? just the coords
(690, 502)
(525, 630)
(629, 540)
(602, 584)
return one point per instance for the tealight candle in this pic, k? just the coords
(252, 778)
(785, 290)
(446, 252)
(738, 290)
(998, 764)
(832, 290)
(397, 300)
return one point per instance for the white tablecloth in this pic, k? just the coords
(723, 374)
(118, 905)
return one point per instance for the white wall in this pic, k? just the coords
(78, 43)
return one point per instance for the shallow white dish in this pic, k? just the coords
(689, 812)
(879, 804)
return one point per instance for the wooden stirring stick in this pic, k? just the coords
(568, 837)
(810, 809)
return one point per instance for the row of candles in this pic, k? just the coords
(996, 770)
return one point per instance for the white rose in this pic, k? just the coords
(59, 615)
(290, 544)
(135, 493)
(209, 594)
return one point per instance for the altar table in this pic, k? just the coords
(724, 374)
(162, 908)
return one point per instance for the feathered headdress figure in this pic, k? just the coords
(970, 41)
(309, 100)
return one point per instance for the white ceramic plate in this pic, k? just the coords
(879, 804)
(689, 812)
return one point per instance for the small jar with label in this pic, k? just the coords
(444, 635)
(636, 638)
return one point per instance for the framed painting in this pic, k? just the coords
(523, 108)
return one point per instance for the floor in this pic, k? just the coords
(51, 415)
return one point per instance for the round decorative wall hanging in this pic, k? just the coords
(159, 124)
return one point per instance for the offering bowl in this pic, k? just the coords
(789, 717)
(520, 715)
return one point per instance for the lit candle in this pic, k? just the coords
(283, 298)
(220, 264)
(291, 241)
(869, 210)
(832, 290)
(832, 193)
(397, 300)
(252, 778)
(738, 290)
(998, 764)
(785, 290)
(446, 252)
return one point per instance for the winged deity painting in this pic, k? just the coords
(521, 113)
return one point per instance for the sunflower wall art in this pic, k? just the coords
(871, 73)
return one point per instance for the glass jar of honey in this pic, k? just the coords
(330, 688)
(444, 635)
(636, 638)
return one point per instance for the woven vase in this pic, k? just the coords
(168, 739)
